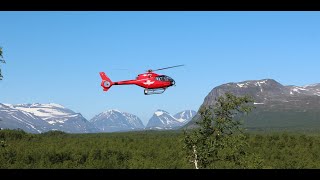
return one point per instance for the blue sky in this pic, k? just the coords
(57, 56)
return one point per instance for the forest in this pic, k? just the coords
(145, 150)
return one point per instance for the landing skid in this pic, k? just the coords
(154, 91)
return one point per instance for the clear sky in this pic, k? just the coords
(57, 56)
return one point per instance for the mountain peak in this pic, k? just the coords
(261, 90)
(114, 110)
(39, 105)
(5, 105)
(185, 116)
(56, 105)
(250, 83)
(163, 120)
(160, 112)
(114, 120)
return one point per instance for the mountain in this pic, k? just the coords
(277, 106)
(37, 118)
(185, 116)
(115, 120)
(11, 118)
(163, 120)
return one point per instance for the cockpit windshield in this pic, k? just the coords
(164, 78)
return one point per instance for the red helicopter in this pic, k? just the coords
(152, 82)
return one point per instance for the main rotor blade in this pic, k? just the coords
(168, 67)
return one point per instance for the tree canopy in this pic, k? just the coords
(219, 140)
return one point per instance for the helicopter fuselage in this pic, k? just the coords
(149, 81)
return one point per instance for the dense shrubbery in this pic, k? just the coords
(151, 149)
(115, 150)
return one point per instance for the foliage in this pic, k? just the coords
(219, 140)
(13, 134)
(1, 52)
(2, 61)
(151, 150)
(54, 149)
(54, 133)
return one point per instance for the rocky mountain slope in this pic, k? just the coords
(277, 106)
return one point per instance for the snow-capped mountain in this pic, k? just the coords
(115, 120)
(39, 118)
(44, 117)
(263, 91)
(11, 118)
(276, 105)
(313, 89)
(163, 120)
(185, 116)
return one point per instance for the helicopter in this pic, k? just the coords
(151, 82)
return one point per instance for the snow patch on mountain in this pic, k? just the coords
(257, 103)
(45, 111)
(185, 116)
(311, 85)
(158, 113)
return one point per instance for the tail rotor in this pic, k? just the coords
(106, 81)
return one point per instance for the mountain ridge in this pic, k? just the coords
(43, 117)
(40, 118)
(162, 120)
(271, 98)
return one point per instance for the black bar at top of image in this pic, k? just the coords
(99, 5)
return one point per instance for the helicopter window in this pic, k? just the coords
(163, 78)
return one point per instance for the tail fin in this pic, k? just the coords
(106, 82)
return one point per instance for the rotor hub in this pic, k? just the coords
(106, 84)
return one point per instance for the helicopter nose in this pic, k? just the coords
(172, 82)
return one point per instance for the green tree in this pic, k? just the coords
(219, 140)
(2, 61)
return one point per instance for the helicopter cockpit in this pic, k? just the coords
(165, 78)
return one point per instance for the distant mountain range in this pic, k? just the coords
(277, 106)
(163, 120)
(39, 118)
